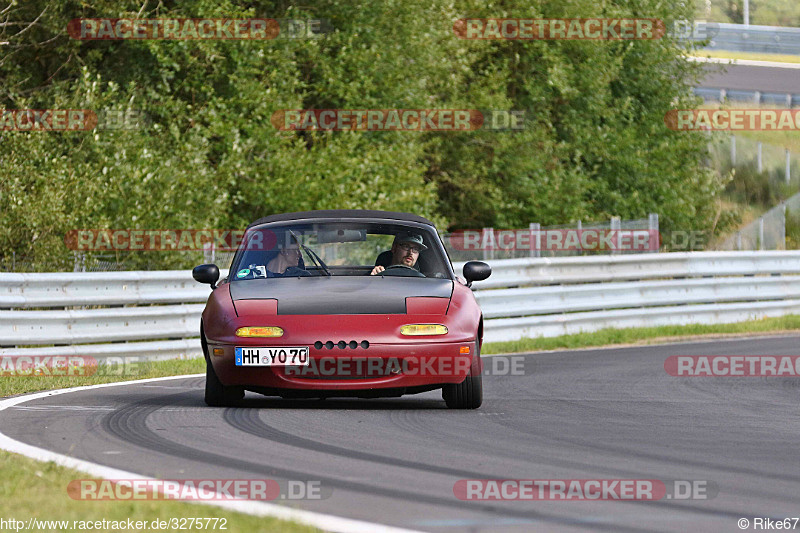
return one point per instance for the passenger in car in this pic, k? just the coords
(288, 256)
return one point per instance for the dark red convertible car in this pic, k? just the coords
(342, 303)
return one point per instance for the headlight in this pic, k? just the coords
(423, 329)
(259, 331)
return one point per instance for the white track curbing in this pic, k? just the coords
(323, 521)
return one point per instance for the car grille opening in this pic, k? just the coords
(342, 344)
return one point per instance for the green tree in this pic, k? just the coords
(594, 146)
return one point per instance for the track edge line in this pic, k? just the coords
(322, 521)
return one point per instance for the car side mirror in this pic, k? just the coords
(206, 274)
(476, 271)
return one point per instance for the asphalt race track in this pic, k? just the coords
(750, 78)
(596, 414)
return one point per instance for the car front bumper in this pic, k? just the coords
(380, 366)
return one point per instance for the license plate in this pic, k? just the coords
(273, 356)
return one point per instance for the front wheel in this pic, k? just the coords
(217, 394)
(469, 393)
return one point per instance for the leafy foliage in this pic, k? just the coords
(208, 156)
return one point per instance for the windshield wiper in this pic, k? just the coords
(314, 257)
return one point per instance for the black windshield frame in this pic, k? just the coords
(435, 255)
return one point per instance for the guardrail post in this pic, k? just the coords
(79, 262)
(208, 252)
(782, 243)
(616, 226)
(536, 239)
(652, 226)
(488, 239)
(757, 97)
(758, 158)
(788, 166)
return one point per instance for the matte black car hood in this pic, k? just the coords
(340, 295)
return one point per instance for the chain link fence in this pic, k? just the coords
(99, 262)
(757, 164)
(777, 229)
(766, 174)
(497, 244)
(490, 246)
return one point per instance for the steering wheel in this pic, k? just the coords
(293, 272)
(403, 271)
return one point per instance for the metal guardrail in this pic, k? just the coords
(156, 314)
(788, 100)
(141, 311)
(100, 325)
(57, 289)
(593, 293)
(608, 268)
(508, 329)
(748, 38)
(507, 303)
(745, 38)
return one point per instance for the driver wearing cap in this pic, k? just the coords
(405, 251)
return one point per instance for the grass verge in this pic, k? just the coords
(653, 335)
(36, 489)
(751, 56)
(133, 369)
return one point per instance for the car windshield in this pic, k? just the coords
(340, 249)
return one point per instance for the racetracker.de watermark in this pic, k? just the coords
(196, 489)
(398, 119)
(733, 365)
(583, 489)
(696, 30)
(71, 119)
(197, 29)
(47, 120)
(379, 367)
(69, 365)
(588, 240)
(170, 240)
(592, 29)
(733, 119)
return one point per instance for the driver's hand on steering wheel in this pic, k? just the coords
(377, 270)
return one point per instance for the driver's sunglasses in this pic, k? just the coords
(409, 247)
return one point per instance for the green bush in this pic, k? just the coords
(595, 145)
(793, 229)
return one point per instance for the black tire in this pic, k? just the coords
(217, 394)
(469, 393)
